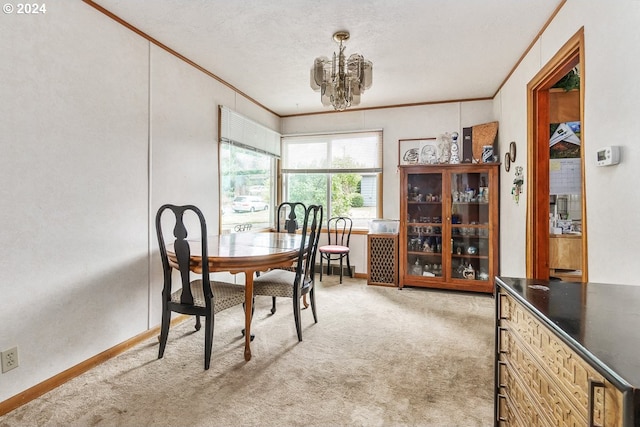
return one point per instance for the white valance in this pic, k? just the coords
(239, 130)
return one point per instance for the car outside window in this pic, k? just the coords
(249, 204)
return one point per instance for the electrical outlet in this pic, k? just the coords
(9, 359)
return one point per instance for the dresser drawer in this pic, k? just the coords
(570, 371)
(569, 391)
(555, 408)
(507, 416)
(515, 406)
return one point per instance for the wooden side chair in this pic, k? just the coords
(195, 296)
(288, 216)
(300, 282)
(337, 247)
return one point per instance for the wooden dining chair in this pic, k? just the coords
(195, 296)
(287, 221)
(337, 247)
(296, 284)
(288, 216)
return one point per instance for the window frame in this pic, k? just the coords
(330, 140)
(236, 132)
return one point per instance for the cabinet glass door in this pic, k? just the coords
(424, 225)
(470, 216)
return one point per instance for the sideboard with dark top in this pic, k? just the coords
(567, 354)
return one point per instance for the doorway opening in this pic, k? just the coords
(547, 239)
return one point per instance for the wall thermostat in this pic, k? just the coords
(608, 156)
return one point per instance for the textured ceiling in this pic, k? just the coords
(422, 50)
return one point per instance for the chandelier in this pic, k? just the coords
(341, 81)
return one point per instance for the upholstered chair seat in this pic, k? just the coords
(337, 247)
(300, 282)
(227, 295)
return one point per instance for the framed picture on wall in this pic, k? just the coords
(410, 151)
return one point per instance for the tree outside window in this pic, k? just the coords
(341, 172)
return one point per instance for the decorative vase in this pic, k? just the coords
(487, 154)
(445, 148)
(455, 154)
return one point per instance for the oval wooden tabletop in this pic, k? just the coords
(242, 251)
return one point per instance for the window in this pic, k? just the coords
(342, 172)
(248, 163)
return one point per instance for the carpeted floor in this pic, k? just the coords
(378, 356)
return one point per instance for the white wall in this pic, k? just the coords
(397, 123)
(98, 128)
(612, 91)
(74, 252)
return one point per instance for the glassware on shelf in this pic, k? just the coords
(416, 269)
(483, 194)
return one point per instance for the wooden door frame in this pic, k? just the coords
(537, 233)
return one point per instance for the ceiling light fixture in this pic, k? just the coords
(341, 81)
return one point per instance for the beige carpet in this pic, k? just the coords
(378, 357)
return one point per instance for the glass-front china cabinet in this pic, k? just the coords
(449, 226)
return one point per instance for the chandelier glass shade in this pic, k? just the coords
(341, 81)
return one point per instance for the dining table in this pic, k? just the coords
(247, 253)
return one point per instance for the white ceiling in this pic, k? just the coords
(422, 50)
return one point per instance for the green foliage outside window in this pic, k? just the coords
(310, 189)
(357, 201)
(343, 187)
(336, 171)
